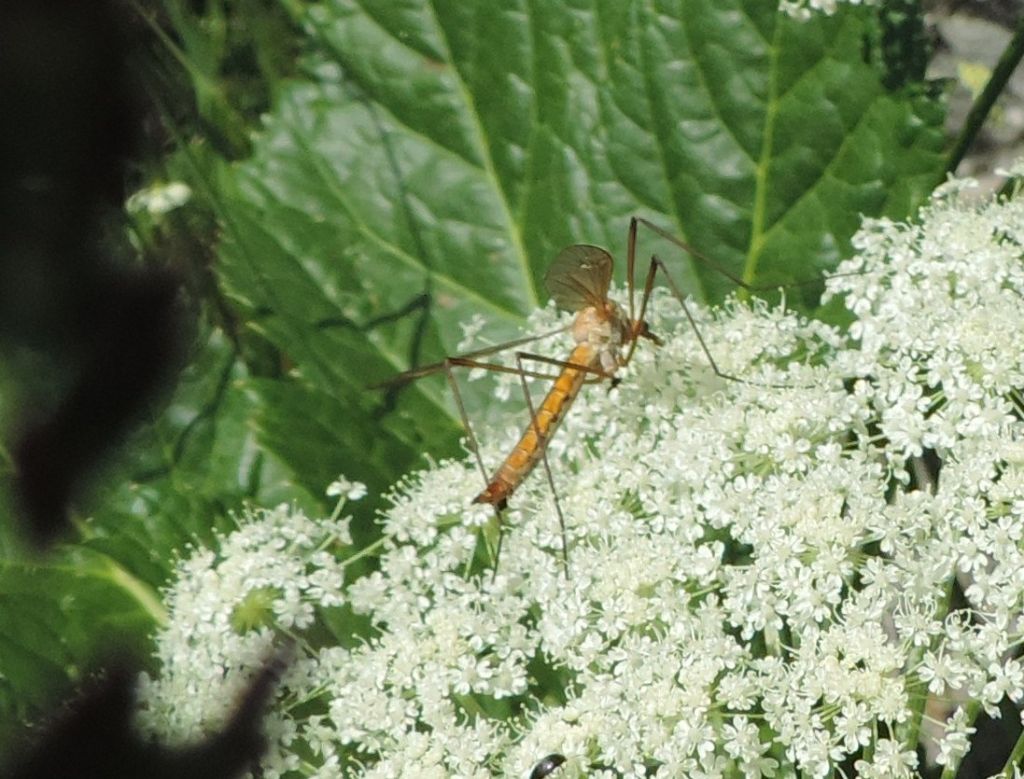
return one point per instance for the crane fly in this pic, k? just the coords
(605, 338)
(578, 280)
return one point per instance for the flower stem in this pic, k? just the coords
(1015, 758)
(973, 709)
(1009, 60)
(913, 733)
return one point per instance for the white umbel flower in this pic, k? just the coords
(759, 570)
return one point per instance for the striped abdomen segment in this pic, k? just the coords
(527, 453)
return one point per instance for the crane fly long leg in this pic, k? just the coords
(598, 373)
(636, 221)
(638, 315)
(652, 270)
(446, 365)
(657, 263)
(498, 368)
(427, 370)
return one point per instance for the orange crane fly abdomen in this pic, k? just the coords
(527, 452)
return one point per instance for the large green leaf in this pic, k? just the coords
(427, 170)
(442, 152)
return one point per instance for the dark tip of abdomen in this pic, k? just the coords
(496, 493)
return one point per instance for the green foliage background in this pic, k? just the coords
(420, 162)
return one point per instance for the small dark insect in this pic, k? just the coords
(547, 766)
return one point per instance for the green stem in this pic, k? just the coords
(979, 111)
(1015, 758)
(913, 732)
(147, 598)
(973, 709)
(366, 550)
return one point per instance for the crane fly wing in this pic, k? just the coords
(579, 277)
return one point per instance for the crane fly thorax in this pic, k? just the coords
(604, 329)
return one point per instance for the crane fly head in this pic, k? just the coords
(640, 329)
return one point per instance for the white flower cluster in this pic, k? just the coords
(804, 9)
(226, 608)
(761, 572)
